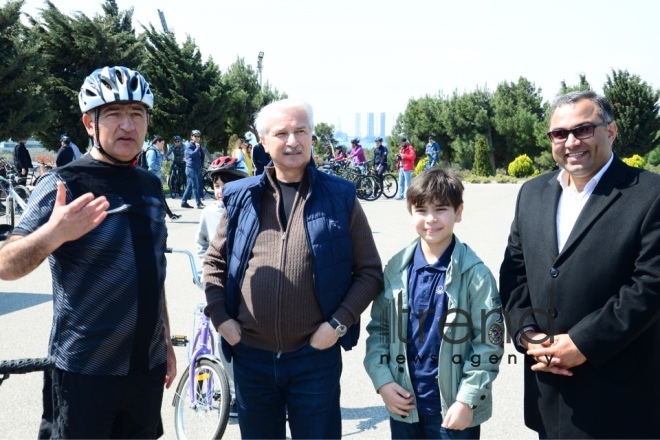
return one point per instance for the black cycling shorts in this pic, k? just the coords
(107, 406)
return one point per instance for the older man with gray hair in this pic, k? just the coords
(288, 275)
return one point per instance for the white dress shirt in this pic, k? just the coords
(571, 202)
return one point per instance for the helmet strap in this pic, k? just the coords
(97, 145)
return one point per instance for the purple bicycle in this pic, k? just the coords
(202, 398)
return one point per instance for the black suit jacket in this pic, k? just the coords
(603, 289)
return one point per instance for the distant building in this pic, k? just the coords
(382, 125)
(370, 125)
(31, 143)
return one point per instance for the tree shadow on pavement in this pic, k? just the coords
(368, 418)
(15, 301)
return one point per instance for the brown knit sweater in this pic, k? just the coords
(278, 309)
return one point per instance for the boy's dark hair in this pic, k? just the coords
(435, 185)
(225, 177)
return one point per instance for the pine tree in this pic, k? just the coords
(482, 166)
(22, 112)
(635, 106)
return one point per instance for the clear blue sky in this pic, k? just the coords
(373, 55)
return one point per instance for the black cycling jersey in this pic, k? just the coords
(108, 285)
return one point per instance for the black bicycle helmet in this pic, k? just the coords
(65, 137)
(195, 133)
(176, 138)
(355, 141)
(226, 168)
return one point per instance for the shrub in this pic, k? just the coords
(473, 178)
(636, 161)
(482, 166)
(653, 168)
(502, 178)
(653, 158)
(522, 166)
(420, 166)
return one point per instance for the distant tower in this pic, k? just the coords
(358, 124)
(382, 125)
(370, 125)
(163, 23)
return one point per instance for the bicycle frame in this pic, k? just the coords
(8, 186)
(203, 336)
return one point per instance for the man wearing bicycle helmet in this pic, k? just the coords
(291, 269)
(176, 152)
(100, 221)
(380, 157)
(76, 151)
(65, 154)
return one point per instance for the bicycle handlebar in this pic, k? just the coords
(29, 365)
(193, 266)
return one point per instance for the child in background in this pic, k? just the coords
(222, 170)
(436, 331)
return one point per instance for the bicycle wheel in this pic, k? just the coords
(173, 183)
(390, 185)
(367, 188)
(205, 415)
(23, 193)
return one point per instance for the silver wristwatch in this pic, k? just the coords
(340, 329)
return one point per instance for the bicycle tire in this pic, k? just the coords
(366, 188)
(377, 189)
(390, 186)
(172, 184)
(24, 193)
(204, 421)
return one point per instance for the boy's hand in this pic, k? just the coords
(459, 417)
(397, 400)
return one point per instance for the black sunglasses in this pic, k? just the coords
(581, 132)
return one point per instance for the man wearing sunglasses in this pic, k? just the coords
(580, 283)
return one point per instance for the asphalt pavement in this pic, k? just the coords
(26, 314)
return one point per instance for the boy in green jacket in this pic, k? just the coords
(436, 334)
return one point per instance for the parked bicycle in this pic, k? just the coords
(367, 187)
(177, 179)
(388, 183)
(202, 398)
(13, 198)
